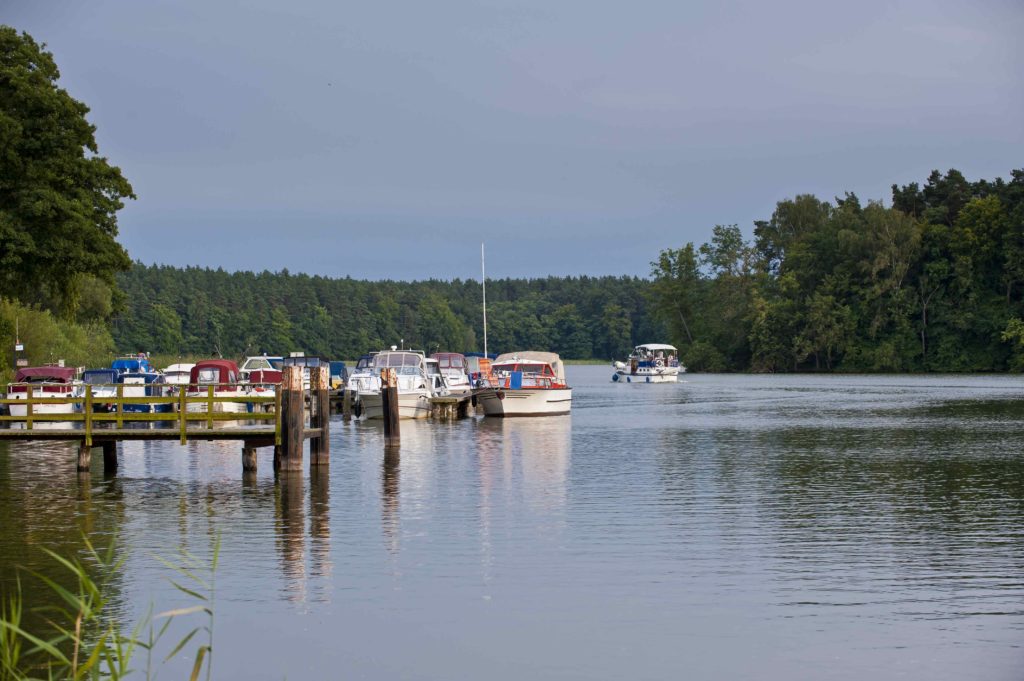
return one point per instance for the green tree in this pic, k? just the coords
(58, 198)
(617, 330)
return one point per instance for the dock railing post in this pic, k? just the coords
(209, 407)
(389, 404)
(293, 418)
(120, 405)
(320, 416)
(87, 416)
(182, 412)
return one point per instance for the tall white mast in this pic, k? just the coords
(483, 284)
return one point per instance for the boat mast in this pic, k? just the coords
(483, 284)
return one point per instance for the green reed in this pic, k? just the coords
(80, 638)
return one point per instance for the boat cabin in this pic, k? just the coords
(99, 376)
(44, 379)
(213, 372)
(529, 369)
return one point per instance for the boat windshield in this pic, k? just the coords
(98, 377)
(256, 363)
(452, 362)
(209, 375)
(396, 360)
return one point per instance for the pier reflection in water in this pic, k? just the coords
(746, 526)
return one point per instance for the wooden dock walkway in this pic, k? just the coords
(283, 414)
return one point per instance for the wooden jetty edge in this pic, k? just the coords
(281, 420)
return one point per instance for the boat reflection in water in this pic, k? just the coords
(534, 453)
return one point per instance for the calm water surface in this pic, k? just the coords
(769, 527)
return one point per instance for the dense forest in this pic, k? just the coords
(201, 311)
(933, 283)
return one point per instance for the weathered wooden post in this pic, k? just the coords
(346, 404)
(109, 456)
(87, 414)
(292, 418)
(248, 457)
(84, 456)
(320, 416)
(389, 403)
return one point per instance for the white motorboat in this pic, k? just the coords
(45, 382)
(177, 375)
(453, 366)
(438, 381)
(414, 386)
(526, 384)
(650, 363)
(258, 363)
(103, 384)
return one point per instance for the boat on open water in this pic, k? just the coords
(650, 363)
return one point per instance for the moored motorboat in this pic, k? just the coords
(144, 384)
(45, 382)
(438, 381)
(414, 386)
(263, 383)
(177, 375)
(650, 363)
(102, 388)
(338, 373)
(222, 376)
(258, 363)
(526, 384)
(133, 363)
(453, 366)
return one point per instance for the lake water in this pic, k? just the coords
(727, 527)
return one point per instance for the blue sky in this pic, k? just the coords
(387, 140)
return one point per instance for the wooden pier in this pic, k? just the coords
(280, 421)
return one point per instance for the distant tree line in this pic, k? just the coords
(933, 283)
(196, 311)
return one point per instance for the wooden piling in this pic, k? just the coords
(389, 402)
(292, 418)
(109, 456)
(320, 415)
(346, 404)
(84, 457)
(248, 458)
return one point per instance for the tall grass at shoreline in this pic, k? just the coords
(80, 638)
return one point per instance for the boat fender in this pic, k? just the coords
(472, 399)
(628, 379)
(615, 378)
(357, 409)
